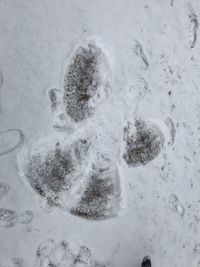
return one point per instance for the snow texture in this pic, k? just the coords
(99, 133)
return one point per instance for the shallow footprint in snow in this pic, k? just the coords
(61, 254)
(102, 195)
(85, 81)
(176, 205)
(25, 217)
(84, 259)
(8, 217)
(43, 253)
(84, 256)
(143, 143)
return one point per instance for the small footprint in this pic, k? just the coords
(25, 217)
(176, 205)
(61, 254)
(8, 217)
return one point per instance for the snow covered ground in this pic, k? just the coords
(99, 133)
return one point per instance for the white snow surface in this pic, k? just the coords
(153, 55)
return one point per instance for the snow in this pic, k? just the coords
(148, 56)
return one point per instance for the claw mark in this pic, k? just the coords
(63, 176)
(8, 218)
(171, 126)
(53, 98)
(138, 50)
(7, 144)
(194, 24)
(172, 2)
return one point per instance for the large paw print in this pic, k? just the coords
(68, 170)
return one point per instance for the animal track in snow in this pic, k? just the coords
(25, 217)
(80, 173)
(8, 217)
(139, 51)
(74, 177)
(52, 254)
(53, 167)
(169, 122)
(101, 196)
(193, 27)
(85, 81)
(52, 93)
(143, 143)
(1, 84)
(176, 205)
